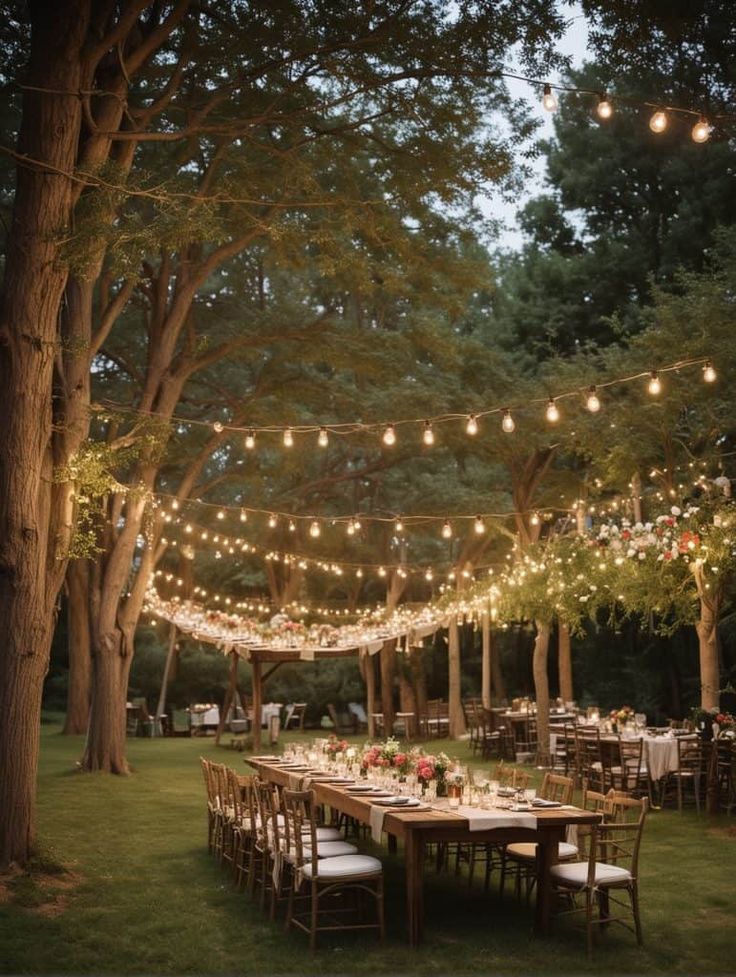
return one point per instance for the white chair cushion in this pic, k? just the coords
(528, 850)
(332, 849)
(344, 867)
(325, 834)
(576, 874)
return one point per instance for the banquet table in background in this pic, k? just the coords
(419, 828)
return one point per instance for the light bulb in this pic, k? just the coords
(243, 515)
(399, 526)
(480, 525)
(428, 575)
(593, 403)
(709, 373)
(655, 385)
(552, 413)
(507, 423)
(381, 571)
(446, 529)
(288, 438)
(701, 131)
(658, 122)
(428, 436)
(389, 435)
(220, 514)
(188, 528)
(604, 107)
(549, 102)
(314, 529)
(250, 440)
(217, 427)
(358, 524)
(272, 522)
(351, 528)
(534, 519)
(472, 426)
(292, 526)
(358, 572)
(323, 439)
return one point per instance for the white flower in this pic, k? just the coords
(631, 551)
(642, 555)
(676, 510)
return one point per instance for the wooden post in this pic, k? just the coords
(229, 696)
(161, 707)
(454, 692)
(388, 671)
(257, 695)
(370, 692)
(485, 681)
(564, 662)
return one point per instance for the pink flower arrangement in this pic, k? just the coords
(335, 746)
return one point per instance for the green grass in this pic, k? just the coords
(141, 894)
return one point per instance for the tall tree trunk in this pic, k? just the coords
(564, 662)
(388, 671)
(707, 629)
(32, 553)
(541, 688)
(368, 668)
(497, 682)
(486, 681)
(80, 653)
(168, 672)
(418, 679)
(636, 497)
(454, 692)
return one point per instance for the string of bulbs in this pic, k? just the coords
(472, 420)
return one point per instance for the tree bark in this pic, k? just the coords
(636, 497)
(564, 663)
(541, 688)
(80, 654)
(454, 692)
(388, 671)
(369, 673)
(106, 746)
(486, 681)
(418, 680)
(31, 542)
(707, 629)
(497, 682)
(168, 672)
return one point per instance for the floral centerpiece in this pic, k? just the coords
(622, 716)
(389, 756)
(333, 746)
(712, 722)
(431, 767)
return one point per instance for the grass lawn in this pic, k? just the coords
(141, 895)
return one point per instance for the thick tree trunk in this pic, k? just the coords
(564, 663)
(80, 653)
(707, 629)
(168, 672)
(541, 689)
(368, 667)
(31, 544)
(388, 671)
(498, 684)
(418, 680)
(106, 746)
(454, 692)
(486, 680)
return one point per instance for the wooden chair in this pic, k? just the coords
(319, 898)
(344, 722)
(688, 778)
(563, 755)
(295, 713)
(212, 804)
(588, 758)
(244, 853)
(610, 869)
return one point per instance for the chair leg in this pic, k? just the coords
(634, 895)
(589, 921)
(313, 918)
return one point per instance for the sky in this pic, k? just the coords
(574, 44)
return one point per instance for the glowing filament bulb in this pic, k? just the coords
(381, 571)
(552, 413)
(272, 521)
(658, 122)
(288, 438)
(358, 572)
(655, 385)
(221, 514)
(351, 528)
(701, 131)
(593, 402)
(175, 504)
(428, 575)
(507, 423)
(188, 528)
(358, 525)
(604, 107)
(322, 438)
(472, 425)
(709, 373)
(399, 526)
(314, 529)
(292, 526)
(217, 427)
(250, 440)
(389, 435)
(480, 525)
(428, 436)
(534, 519)
(446, 529)
(549, 102)
(243, 515)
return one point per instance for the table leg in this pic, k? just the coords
(414, 855)
(546, 858)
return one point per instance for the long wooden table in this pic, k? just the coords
(417, 829)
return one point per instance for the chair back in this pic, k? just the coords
(618, 842)
(555, 787)
(588, 752)
(267, 831)
(689, 756)
(300, 828)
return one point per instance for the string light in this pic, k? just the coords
(399, 526)
(604, 107)
(351, 528)
(428, 576)
(552, 413)
(221, 514)
(428, 436)
(381, 571)
(709, 373)
(701, 131)
(472, 426)
(272, 521)
(243, 515)
(188, 528)
(174, 504)
(217, 427)
(292, 526)
(323, 439)
(534, 519)
(288, 438)
(389, 435)
(593, 402)
(314, 529)
(446, 529)
(658, 122)
(479, 525)
(655, 384)
(507, 423)
(549, 102)
(250, 440)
